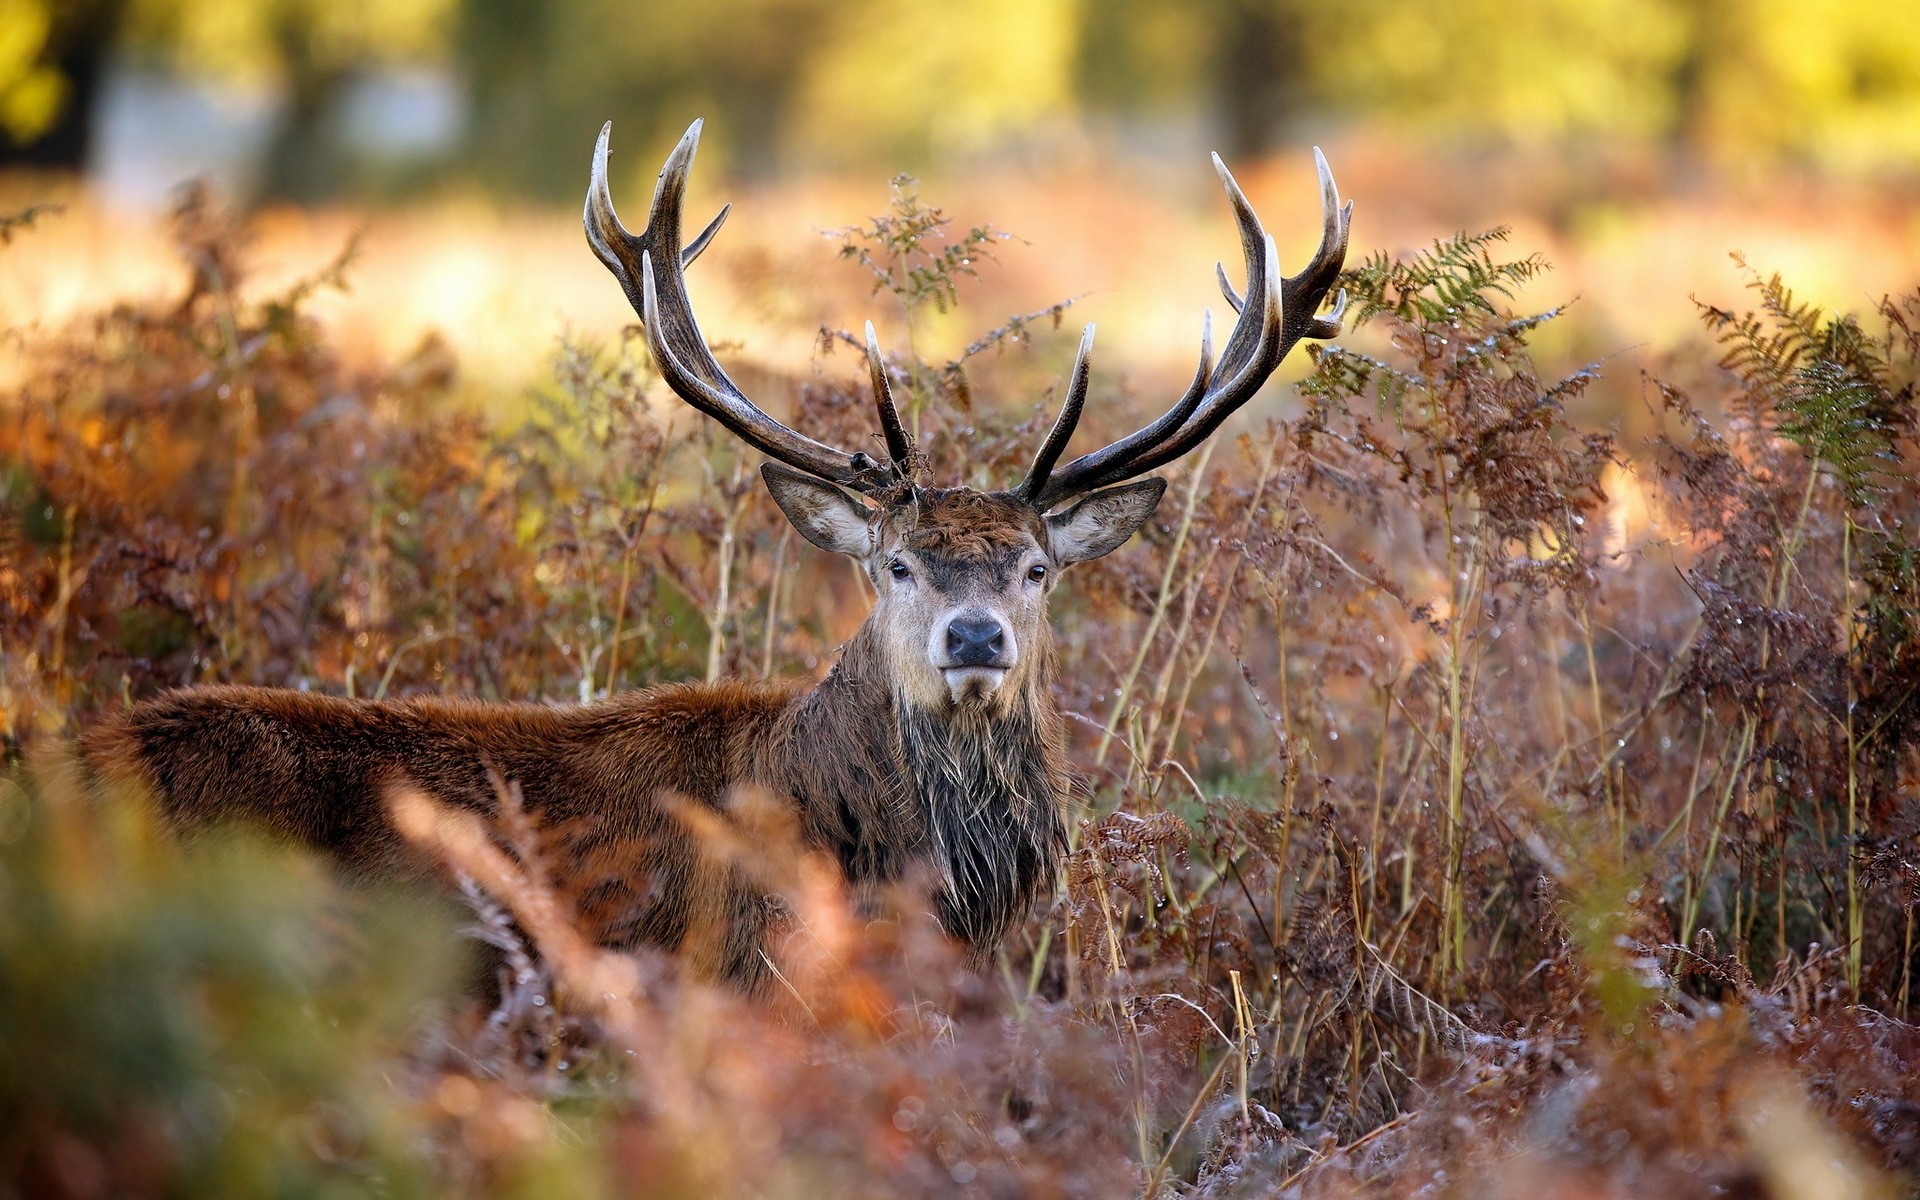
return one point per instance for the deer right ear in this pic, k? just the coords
(1102, 523)
(825, 514)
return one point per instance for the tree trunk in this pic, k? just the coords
(83, 37)
(303, 161)
(1257, 65)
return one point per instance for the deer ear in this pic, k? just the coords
(823, 513)
(1101, 523)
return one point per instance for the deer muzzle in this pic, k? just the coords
(974, 651)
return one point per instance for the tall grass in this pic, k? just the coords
(1438, 831)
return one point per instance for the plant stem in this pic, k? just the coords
(773, 604)
(1159, 607)
(1855, 917)
(1747, 730)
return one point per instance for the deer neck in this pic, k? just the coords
(976, 795)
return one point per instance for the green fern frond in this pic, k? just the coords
(1770, 346)
(1837, 418)
(1821, 381)
(1455, 277)
(1341, 373)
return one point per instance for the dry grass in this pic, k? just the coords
(1476, 804)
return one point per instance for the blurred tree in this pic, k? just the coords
(543, 78)
(1256, 84)
(1835, 82)
(308, 49)
(52, 58)
(1530, 71)
(1139, 55)
(1242, 63)
(837, 82)
(907, 79)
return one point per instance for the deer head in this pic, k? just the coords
(962, 575)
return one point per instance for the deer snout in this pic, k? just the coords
(977, 640)
(974, 651)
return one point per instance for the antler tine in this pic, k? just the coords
(899, 446)
(1226, 286)
(1327, 259)
(1323, 269)
(1114, 457)
(1063, 425)
(1274, 314)
(1252, 332)
(610, 239)
(699, 243)
(650, 268)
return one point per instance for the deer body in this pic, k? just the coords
(933, 746)
(869, 781)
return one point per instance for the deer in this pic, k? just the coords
(933, 745)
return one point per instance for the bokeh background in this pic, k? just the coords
(1633, 142)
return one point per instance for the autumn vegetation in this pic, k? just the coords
(1476, 800)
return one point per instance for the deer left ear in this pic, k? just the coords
(824, 514)
(1102, 523)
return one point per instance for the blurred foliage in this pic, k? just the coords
(832, 81)
(543, 78)
(308, 50)
(1835, 83)
(31, 89)
(257, 39)
(219, 1022)
(936, 76)
(1528, 71)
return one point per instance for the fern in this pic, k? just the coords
(1456, 277)
(1838, 419)
(1341, 373)
(1771, 344)
(908, 252)
(1892, 608)
(1827, 383)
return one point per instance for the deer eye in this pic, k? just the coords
(1037, 572)
(899, 569)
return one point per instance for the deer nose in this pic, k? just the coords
(975, 641)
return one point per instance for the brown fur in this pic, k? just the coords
(973, 796)
(964, 523)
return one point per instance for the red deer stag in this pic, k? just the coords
(933, 744)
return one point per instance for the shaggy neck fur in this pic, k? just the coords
(990, 809)
(975, 794)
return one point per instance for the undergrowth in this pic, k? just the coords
(1447, 827)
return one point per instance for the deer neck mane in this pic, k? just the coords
(975, 795)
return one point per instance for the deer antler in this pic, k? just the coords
(651, 269)
(1274, 315)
